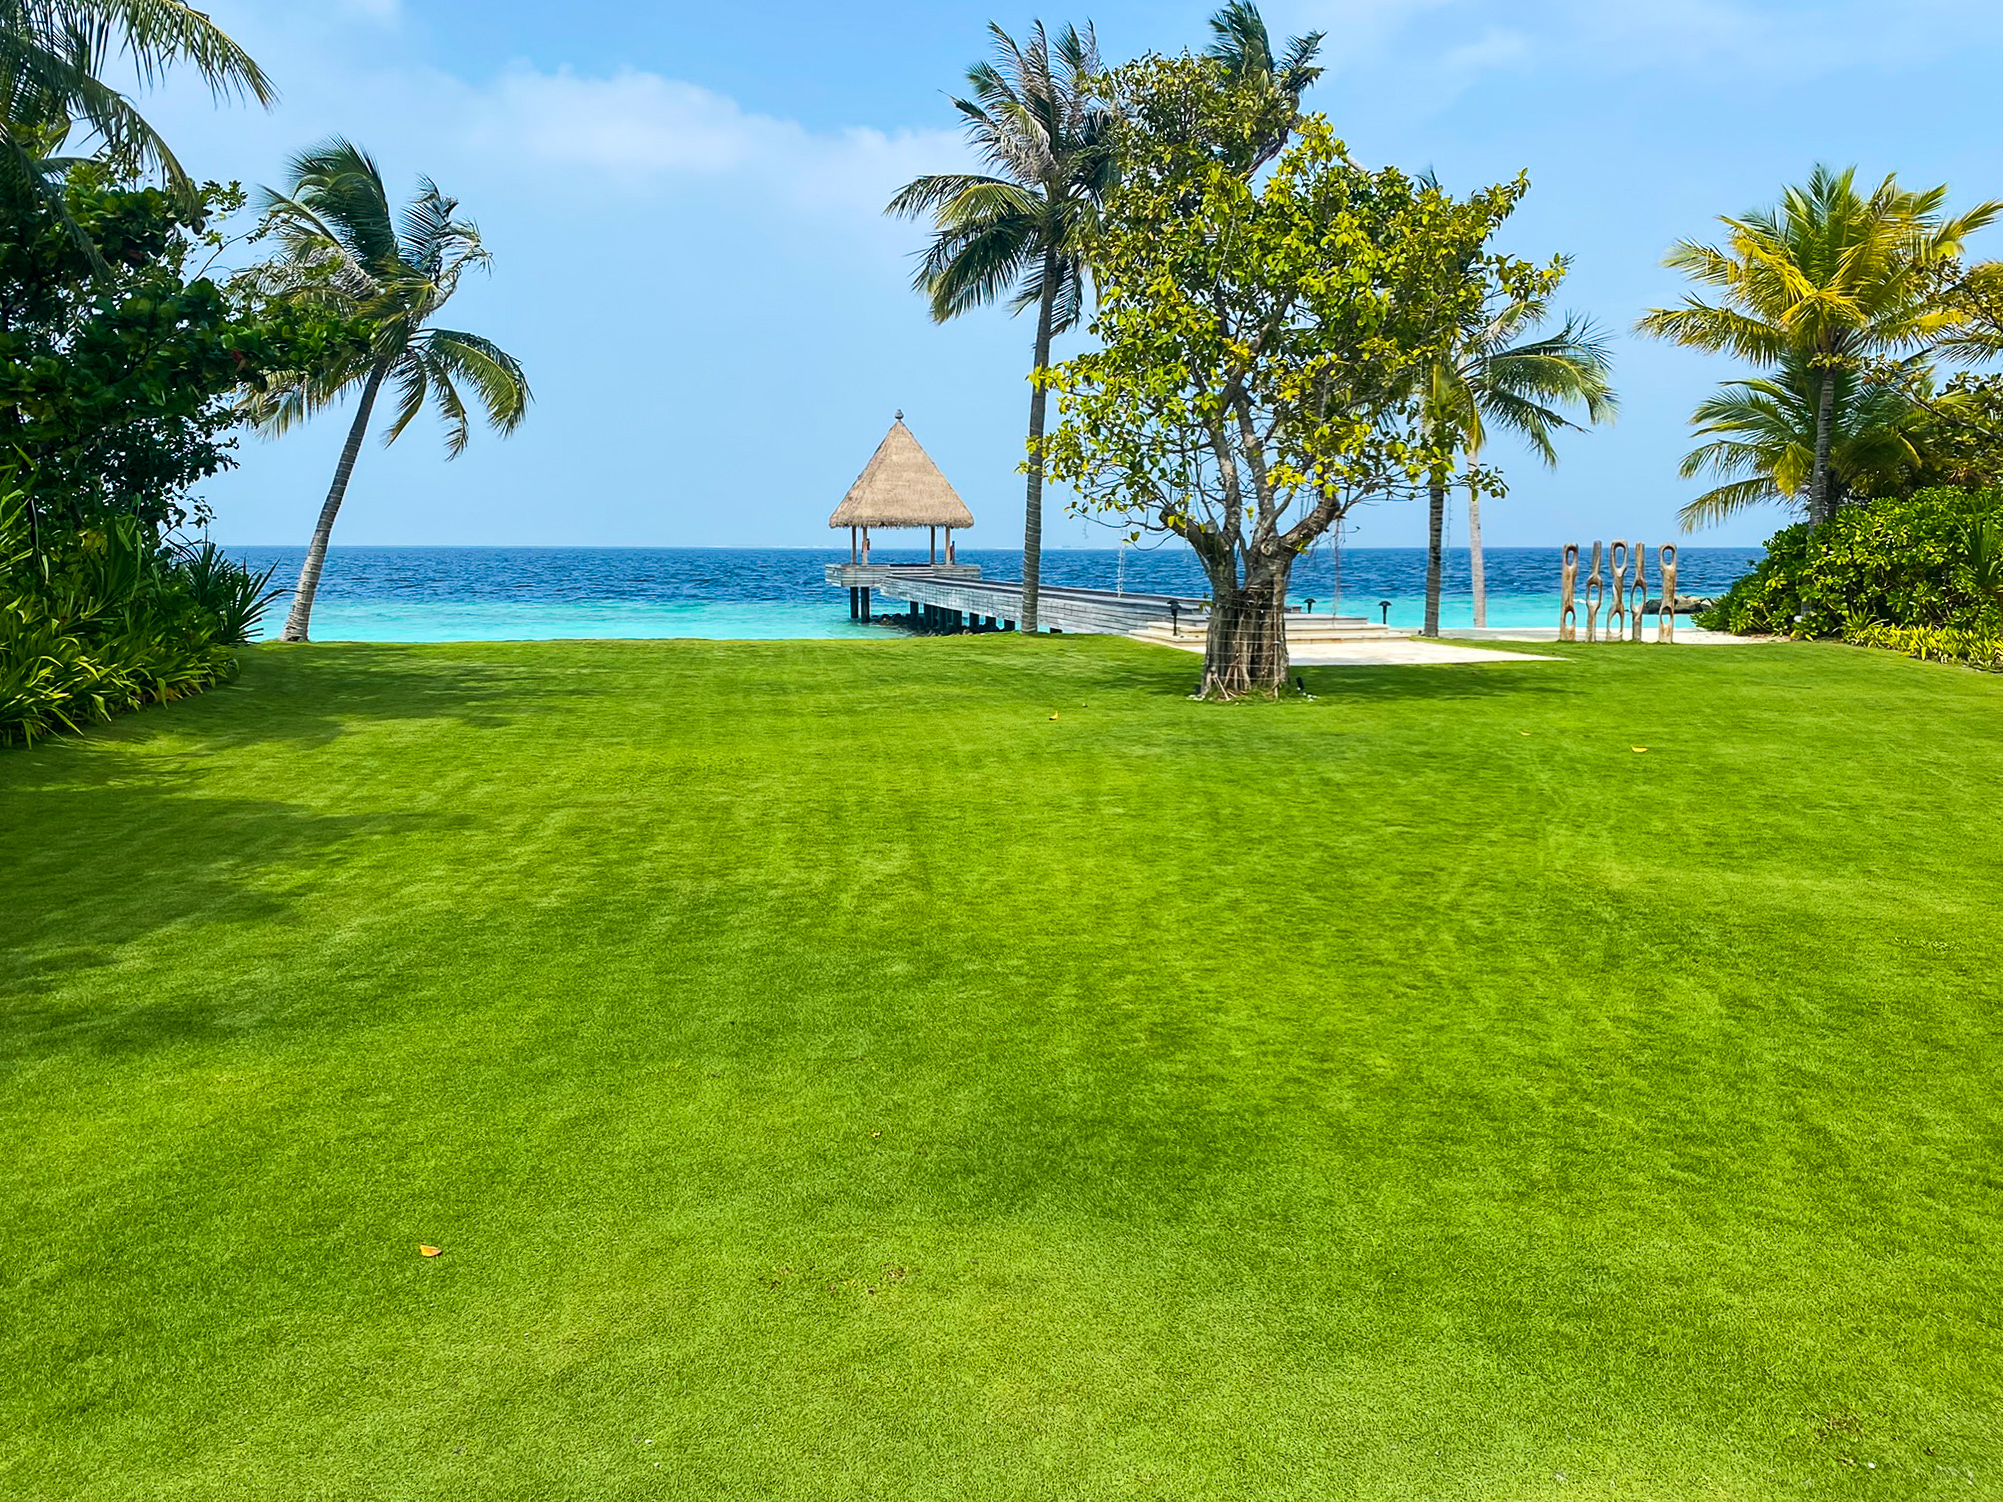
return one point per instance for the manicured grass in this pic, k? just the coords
(831, 1077)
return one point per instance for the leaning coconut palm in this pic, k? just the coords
(1019, 231)
(1829, 277)
(52, 56)
(1764, 434)
(1246, 51)
(1489, 380)
(340, 248)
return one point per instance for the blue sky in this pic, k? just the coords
(683, 206)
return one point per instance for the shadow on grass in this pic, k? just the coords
(110, 855)
(307, 695)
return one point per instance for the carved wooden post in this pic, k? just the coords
(1568, 614)
(1640, 589)
(1665, 622)
(1617, 610)
(1595, 592)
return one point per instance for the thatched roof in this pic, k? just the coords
(901, 487)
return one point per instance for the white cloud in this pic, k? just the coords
(642, 127)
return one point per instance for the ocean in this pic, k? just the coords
(513, 594)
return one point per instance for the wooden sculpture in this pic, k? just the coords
(1595, 592)
(1568, 614)
(1617, 609)
(1640, 590)
(1665, 619)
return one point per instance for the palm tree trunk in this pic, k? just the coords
(297, 618)
(1436, 526)
(1477, 576)
(1819, 509)
(1032, 519)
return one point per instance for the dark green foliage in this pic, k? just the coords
(104, 620)
(121, 377)
(1911, 563)
(235, 596)
(119, 387)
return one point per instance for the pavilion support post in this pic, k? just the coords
(949, 545)
(854, 551)
(935, 543)
(865, 544)
(865, 602)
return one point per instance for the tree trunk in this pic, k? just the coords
(1032, 517)
(1819, 509)
(301, 613)
(1436, 527)
(1477, 574)
(1245, 648)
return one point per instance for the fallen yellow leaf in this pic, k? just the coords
(1637, 748)
(431, 1251)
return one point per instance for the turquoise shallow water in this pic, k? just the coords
(512, 594)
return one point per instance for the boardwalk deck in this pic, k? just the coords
(959, 598)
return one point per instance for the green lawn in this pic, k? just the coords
(830, 1077)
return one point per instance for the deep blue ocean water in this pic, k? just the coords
(499, 594)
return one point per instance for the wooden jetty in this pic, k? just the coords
(901, 487)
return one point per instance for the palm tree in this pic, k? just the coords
(51, 55)
(1491, 380)
(340, 248)
(1832, 277)
(1019, 230)
(1764, 433)
(1246, 51)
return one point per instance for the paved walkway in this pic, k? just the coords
(1459, 645)
(1391, 652)
(1686, 636)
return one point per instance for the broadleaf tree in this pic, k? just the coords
(1264, 342)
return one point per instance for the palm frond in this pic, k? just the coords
(969, 268)
(1724, 502)
(337, 196)
(494, 376)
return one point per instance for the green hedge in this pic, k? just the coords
(1909, 574)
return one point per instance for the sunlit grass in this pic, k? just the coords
(830, 1076)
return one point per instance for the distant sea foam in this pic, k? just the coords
(513, 594)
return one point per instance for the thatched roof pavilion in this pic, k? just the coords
(900, 487)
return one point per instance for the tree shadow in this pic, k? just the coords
(101, 855)
(307, 696)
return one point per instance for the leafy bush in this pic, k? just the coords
(232, 593)
(106, 620)
(1934, 643)
(1919, 563)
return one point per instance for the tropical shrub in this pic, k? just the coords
(235, 596)
(1976, 648)
(105, 620)
(1918, 574)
